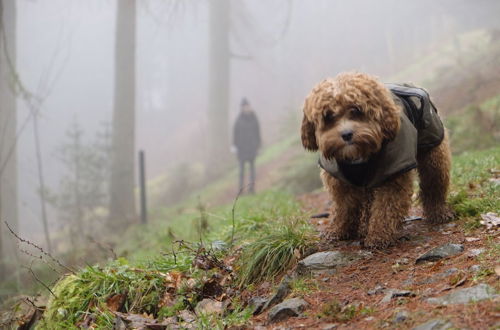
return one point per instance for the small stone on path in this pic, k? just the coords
(436, 324)
(209, 306)
(464, 296)
(283, 290)
(376, 290)
(257, 304)
(393, 293)
(325, 262)
(440, 252)
(401, 316)
(475, 268)
(286, 309)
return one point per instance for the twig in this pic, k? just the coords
(104, 247)
(175, 255)
(22, 240)
(41, 259)
(232, 214)
(32, 303)
(39, 281)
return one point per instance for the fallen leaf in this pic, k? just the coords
(115, 302)
(490, 220)
(497, 270)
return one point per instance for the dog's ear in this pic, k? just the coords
(308, 133)
(390, 124)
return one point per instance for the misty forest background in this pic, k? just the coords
(86, 84)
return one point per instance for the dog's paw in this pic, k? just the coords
(444, 215)
(332, 236)
(371, 242)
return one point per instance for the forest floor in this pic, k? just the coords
(185, 277)
(358, 290)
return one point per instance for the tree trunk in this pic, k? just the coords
(8, 157)
(218, 110)
(122, 201)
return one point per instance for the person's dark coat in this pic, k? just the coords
(246, 137)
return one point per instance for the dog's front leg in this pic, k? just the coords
(347, 203)
(391, 203)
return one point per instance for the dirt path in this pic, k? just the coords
(395, 268)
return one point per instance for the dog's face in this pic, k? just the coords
(349, 117)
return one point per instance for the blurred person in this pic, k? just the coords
(246, 142)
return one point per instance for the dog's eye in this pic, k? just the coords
(356, 111)
(328, 116)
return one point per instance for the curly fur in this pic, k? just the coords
(359, 104)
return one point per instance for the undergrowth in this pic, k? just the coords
(474, 190)
(271, 238)
(277, 249)
(86, 292)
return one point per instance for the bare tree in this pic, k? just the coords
(122, 201)
(218, 99)
(8, 159)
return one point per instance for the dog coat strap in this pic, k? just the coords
(423, 114)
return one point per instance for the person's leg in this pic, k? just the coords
(252, 176)
(242, 173)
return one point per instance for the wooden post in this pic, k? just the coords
(142, 182)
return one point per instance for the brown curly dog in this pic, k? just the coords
(371, 136)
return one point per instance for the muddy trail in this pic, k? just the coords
(390, 289)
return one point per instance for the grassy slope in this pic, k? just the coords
(262, 222)
(272, 213)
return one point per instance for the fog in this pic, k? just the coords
(278, 49)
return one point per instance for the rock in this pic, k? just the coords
(436, 324)
(409, 281)
(257, 304)
(260, 327)
(393, 293)
(136, 321)
(475, 268)
(119, 324)
(187, 316)
(330, 326)
(490, 220)
(440, 252)
(463, 296)
(325, 262)
(209, 306)
(376, 290)
(437, 277)
(282, 291)
(401, 316)
(475, 252)
(403, 261)
(286, 309)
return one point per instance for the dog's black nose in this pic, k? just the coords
(347, 135)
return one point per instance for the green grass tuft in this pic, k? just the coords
(275, 251)
(473, 191)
